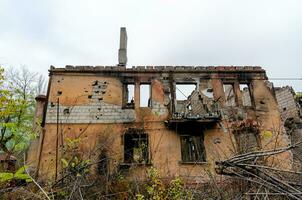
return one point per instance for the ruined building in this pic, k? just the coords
(129, 119)
(290, 109)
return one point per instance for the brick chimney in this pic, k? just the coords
(122, 52)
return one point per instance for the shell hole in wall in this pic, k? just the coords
(66, 111)
(94, 83)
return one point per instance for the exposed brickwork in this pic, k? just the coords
(94, 99)
(92, 113)
(286, 102)
(159, 68)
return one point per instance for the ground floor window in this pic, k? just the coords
(246, 142)
(136, 148)
(192, 148)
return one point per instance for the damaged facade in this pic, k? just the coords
(128, 119)
(290, 109)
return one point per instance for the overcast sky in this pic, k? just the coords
(40, 33)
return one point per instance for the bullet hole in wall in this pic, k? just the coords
(217, 141)
(66, 111)
(94, 83)
(59, 92)
(89, 96)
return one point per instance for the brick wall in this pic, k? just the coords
(286, 102)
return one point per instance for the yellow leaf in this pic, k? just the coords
(267, 134)
(65, 163)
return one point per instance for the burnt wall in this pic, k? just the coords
(89, 102)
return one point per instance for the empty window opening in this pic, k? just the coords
(128, 96)
(145, 95)
(136, 148)
(183, 94)
(183, 91)
(245, 95)
(130, 93)
(246, 142)
(192, 148)
(229, 94)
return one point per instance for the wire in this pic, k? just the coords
(289, 79)
(181, 92)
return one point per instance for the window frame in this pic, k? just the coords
(149, 103)
(130, 148)
(249, 86)
(234, 93)
(125, 103)
(202, 150)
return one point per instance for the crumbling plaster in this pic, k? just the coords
(100, 112)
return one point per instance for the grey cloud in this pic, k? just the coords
(170, 32)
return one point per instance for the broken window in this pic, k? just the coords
(230, 99)
(136, 148)
(192, 148)
(129, 96)
(183, 91)
(145, 95)
(246, 141)
(245, 95)
(247, 136)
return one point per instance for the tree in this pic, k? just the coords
(25, 83)
(16, 112)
